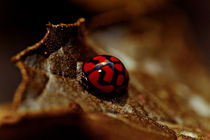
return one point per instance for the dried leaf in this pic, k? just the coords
(165, 81)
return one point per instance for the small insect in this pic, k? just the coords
(105, 74)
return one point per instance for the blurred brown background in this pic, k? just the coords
(22, 23)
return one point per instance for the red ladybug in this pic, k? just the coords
(105, 74)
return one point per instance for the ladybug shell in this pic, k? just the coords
(105, 74)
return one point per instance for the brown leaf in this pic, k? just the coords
(161, 97)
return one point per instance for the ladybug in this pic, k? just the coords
(105, 74)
